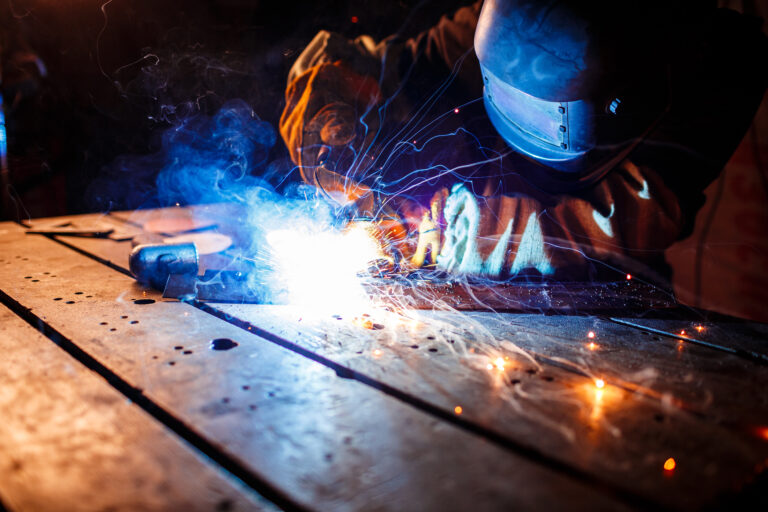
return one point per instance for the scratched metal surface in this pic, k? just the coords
(622, 436)
(660, 401)
(69, 441)
(325, 441)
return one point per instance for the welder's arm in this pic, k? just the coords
(331, 120)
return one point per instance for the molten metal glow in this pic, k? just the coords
(320, 269)
(669, 464)
(600, 383)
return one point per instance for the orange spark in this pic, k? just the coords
(629, 277)
(592, 345)
(669, 464)
(699, 328)
(458, 409)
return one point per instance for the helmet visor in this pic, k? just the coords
(550, 131)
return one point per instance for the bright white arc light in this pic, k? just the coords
(320, 269)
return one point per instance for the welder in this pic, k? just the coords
(564, 138)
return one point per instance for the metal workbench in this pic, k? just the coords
(112, 398)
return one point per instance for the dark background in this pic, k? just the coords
(118, 73)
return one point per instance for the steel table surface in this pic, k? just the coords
(115, 399)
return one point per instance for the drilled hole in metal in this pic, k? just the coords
(223, 344)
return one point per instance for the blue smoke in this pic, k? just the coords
(214, 159)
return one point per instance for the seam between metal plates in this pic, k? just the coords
(754, 357)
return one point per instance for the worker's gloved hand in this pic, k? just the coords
(330, 121)
(332, 137)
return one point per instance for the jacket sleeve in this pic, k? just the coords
(337, 88)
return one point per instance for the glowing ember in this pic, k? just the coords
(366, 322)
(591, 334)
(600, 383)
(699, 328)
(592, 345)
(669, 464)
(763, 432)
(320, 269)
(456, 110)
(499, 362)
(629, 277)
(458, 409)
(682, 333)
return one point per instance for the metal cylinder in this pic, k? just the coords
(153, 263)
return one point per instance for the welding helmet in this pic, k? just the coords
(573, 85)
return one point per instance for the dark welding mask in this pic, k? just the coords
(571, 85)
